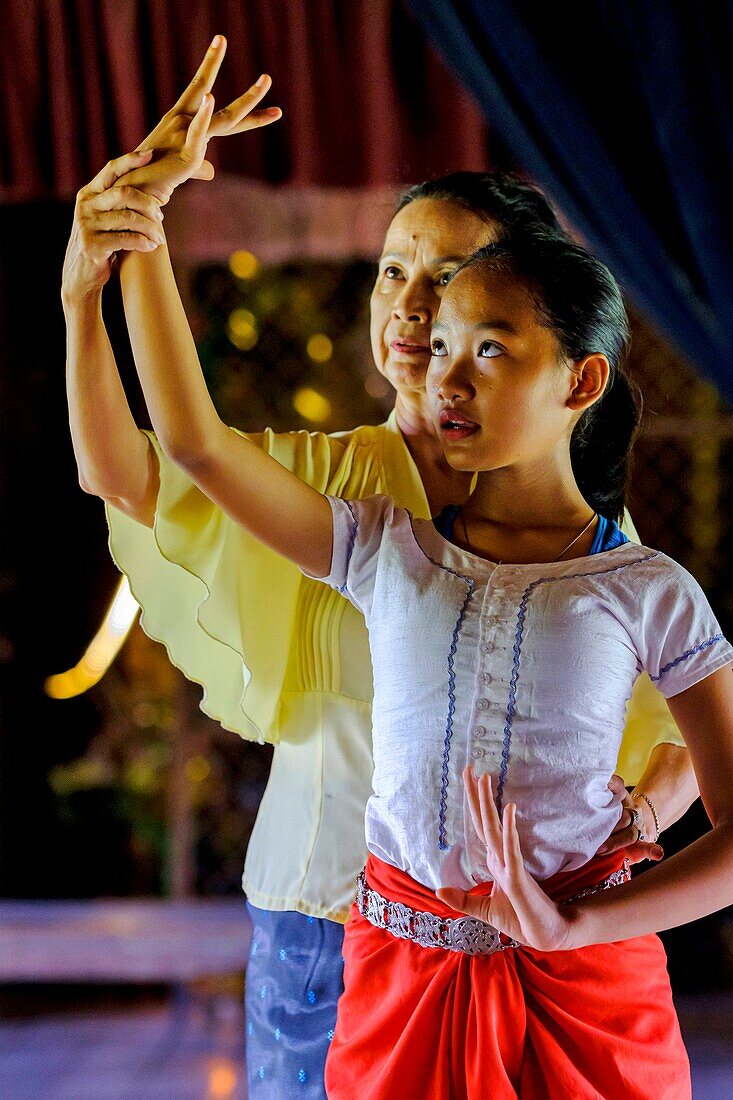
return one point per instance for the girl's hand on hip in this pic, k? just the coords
(179, 141)
(517, 905)
(635, 822)
(108, 218)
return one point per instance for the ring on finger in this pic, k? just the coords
(636, 821)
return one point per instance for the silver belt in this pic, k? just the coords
(467, 934)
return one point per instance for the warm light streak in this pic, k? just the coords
(101, 651)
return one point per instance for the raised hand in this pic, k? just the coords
(178, 155)
(107, 219)
(517, 905)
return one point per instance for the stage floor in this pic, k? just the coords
(193, 1049)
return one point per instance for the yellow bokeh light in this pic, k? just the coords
(198, 769)
(242, 329)
(320, 348)
(312, 405)
(140, 776)
(243, 265)
(101, 651)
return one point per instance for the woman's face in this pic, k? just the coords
(425, 242)
(498, 386)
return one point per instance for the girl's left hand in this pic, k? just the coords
(179, 141)
(517, 905)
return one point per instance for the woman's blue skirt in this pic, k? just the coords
(293, 982)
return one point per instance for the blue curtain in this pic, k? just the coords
(623, 111)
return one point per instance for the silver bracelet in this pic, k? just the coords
(650, 804)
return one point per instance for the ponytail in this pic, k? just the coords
(601, 446)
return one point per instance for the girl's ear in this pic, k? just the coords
(590, 377)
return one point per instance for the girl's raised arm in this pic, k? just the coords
(254, 489)
(120, 211)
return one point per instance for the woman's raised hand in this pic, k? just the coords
(180, 139)
(107, 219)
(517, 905)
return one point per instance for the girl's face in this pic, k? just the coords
(500, 390)
(425, 242)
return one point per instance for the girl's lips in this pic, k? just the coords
(454, 426)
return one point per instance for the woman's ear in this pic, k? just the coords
(590, 378)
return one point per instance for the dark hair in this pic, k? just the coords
(578, 299)
(496, 197)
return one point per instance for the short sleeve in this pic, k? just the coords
(223, 604)
(680, 641)
(358, 531)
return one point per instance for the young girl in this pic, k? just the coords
(283, 658)
(514, 648)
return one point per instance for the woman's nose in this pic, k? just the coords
(413, 305)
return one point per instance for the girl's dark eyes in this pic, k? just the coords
(487, 350)
(444, 278)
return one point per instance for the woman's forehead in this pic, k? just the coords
(437, 226)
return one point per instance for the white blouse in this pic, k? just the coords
(522, 670)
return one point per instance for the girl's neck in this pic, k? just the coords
(527, 513)
(443, 485)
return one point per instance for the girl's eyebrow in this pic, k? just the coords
(498, 325)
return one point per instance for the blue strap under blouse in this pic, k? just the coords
(607, 537)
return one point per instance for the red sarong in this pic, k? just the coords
(417, 1023)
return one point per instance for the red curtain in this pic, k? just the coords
(366, 100)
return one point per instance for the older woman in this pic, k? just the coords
(282, 658)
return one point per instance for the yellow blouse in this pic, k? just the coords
(285, 659)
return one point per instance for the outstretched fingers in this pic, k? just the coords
(485, 817)
(239, 115)
(470, 780)
(490, 820)
(196, 137)
(203, 81)
(519, 886)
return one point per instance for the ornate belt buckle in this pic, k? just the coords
(473, 936)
